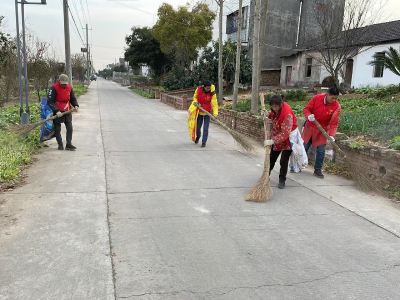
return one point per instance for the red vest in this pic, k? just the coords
(205, 99)
(285, 110)
(63, 97)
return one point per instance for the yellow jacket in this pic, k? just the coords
(214, 103)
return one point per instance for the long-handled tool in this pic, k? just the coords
(24, 130)
(261, 191)
(241, 139)
(361, 179)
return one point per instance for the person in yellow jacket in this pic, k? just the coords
(205, 95)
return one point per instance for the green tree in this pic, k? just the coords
(389, 60)
(207, 68)
(120, 69)
(183, 32)
(145, 50)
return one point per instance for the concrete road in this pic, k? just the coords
(140, 212)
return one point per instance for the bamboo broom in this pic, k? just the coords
(241, 139)
(361, 179)
(261, 191)
(24, 130)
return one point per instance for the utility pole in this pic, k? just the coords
(68, 68)
(256, 58)
(25, 60)
(220, 66)
(238, 54)
(21, 96)
(87, 53)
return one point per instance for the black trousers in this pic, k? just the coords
(67, 120)
(284, 162)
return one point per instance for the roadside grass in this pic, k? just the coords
(16, 152)
(143, 93)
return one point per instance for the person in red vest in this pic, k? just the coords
(61, 98)
(326, 110)
(284, 122)
(205, 95)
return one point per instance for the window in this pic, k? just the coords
(378, 69)
(232, 21)
(308, 67)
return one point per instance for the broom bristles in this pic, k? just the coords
(242, 140)
(261, 191)
(24, 130)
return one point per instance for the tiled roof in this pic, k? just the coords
(370, 35)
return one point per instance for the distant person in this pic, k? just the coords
(205, 95)
(284, 123)
(61, 98)
(326, 110)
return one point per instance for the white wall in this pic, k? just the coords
(363, 73)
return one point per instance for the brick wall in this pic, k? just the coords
(378, 162)
(270, 78)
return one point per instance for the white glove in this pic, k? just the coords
(311, 118)
(333, 139)
(268, 143)
(76, 108)
(59, 114)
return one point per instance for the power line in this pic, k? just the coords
(87, 6)
(83, 12)
(77, 13)
(75, 23)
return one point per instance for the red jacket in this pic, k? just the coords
(326, 114)
(284, 122)
(205, 99)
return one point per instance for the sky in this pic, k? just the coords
(109, 22)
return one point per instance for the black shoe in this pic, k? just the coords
(281, 184)
(60, 147)
(70, 147)
(318, 173)
(203, 145)
(197, 140)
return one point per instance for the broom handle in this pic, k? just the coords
(198, 105)
(266, 122)
(337, 148)
(55, 117)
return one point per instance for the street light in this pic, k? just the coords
(24, 115)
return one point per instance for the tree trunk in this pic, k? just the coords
(256, 58)
(238, 53)
(220, 64)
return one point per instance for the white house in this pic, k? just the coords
(301, 67)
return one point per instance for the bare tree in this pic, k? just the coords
(341, 32)
(256, 57)
(38, 67)
(238, 53)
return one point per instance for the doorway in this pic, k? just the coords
(289, 76)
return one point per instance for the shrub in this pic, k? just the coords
(395, 143)
(380, 92)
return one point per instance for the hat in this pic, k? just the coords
(207, 83)
(63, 79)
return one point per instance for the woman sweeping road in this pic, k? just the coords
(284, 123)
(205, 95)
